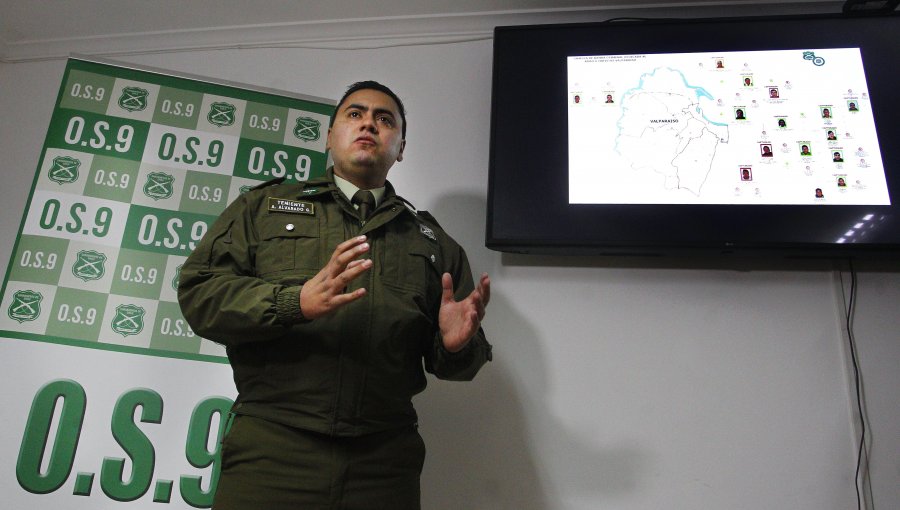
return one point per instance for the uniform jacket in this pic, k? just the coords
(352, 372)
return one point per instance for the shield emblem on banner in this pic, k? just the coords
(177, 277)
(26, 306)
(307, 129)
(129, 320)
(221, 114)
(64, 170)
(159, 185)
(133, 99)
(89, 265)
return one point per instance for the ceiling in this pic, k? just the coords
(36, 30)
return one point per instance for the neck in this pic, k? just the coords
(363, 179)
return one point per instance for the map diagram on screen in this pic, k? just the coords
(765, 127)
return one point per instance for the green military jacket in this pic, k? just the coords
(352, 372)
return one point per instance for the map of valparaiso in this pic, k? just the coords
(763, 127)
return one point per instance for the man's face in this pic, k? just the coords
(366, 138)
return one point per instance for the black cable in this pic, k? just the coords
(859, 406)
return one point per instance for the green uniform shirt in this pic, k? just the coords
(352, 372)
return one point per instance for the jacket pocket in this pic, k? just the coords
(288, 242)
(415, 268)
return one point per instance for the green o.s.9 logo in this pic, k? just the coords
(59, 441)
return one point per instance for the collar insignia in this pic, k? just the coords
(427, 232)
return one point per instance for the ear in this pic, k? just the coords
(328, 140)
(400, 154)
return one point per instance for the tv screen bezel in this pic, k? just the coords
(528, 209)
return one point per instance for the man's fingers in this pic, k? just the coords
(346, 252)
(325, 292)
(354, 269)
(348, 244)
(340, 300)
(344, 248)
(335, 284)
(447, 288)
(484, 287)
(478, 297)
(479, 307)
(355, 262)
(349, 255)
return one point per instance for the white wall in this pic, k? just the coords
(617, 384)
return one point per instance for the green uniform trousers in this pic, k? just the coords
(269, 466)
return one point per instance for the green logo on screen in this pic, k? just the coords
(133, 99)
(159, 185)
(89, 265)
(129, 320)
(26, 306)
(64, 170)
(221, 114)
(307, 129)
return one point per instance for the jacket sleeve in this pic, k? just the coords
(220, 295)
(462, 365)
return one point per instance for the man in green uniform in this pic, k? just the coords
(330, 296)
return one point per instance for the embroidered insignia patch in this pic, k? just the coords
(427, 232)
(291, 206)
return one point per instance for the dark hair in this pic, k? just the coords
(372, 85)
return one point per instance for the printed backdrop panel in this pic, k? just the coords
(135, 168)
(109, 398)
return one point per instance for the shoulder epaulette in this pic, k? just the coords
(427, 215)
(408, 204)
(266, 184)
(421, 214)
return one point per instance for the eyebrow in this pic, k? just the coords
(364, 108)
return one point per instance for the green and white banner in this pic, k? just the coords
(109, 398)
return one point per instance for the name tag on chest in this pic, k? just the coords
(282, 205)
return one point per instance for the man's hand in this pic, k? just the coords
(459, 320)
(324, 293)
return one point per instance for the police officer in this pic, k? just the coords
(330, 296)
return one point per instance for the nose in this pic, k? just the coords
(368, 123)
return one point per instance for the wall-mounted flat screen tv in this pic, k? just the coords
(769, 135)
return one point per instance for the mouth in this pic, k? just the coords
(365, 140)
